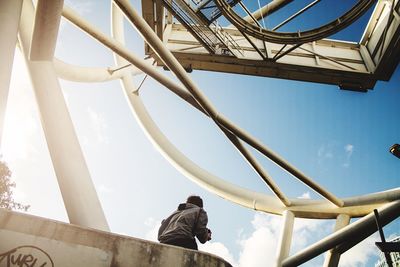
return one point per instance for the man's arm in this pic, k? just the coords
(202, 233)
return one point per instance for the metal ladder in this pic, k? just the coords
(208, 33)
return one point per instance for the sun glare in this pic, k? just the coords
(20, 118)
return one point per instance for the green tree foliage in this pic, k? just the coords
(6, 193)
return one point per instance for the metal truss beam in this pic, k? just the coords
(355, 207)
(351, 66)
(325, 61)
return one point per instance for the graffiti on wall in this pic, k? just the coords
(26, 256)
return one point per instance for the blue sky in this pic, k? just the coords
(339, 138)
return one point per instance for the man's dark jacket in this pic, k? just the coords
(185, 223)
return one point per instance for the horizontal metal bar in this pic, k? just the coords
(388, 246)
(174, 65)
(345, 238)
(295, 15)
(147, 68)
(257, 167)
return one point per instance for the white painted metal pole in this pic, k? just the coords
(302, 208)
(266, 10)
(90, 74)
(173, 64)
(256, 166)
(45, 29)
(116, 46)
(10, 12)
(346, 237)
(332, 257)
(78, 192)
(222, 188)
(285, 239)
(181, 92)
(159, 48)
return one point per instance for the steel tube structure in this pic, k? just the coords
(332, 257)
(257, 167)
(285, 238)
(115, 46)
(78, 192)
(152, 39)
(10, 12)
(278, 160)
(47, 21)
(346, 237)
(354, 206)
(178, 70)
(295, 15)
(90, 74)
(294, 37)
(266, 10)
(174, 156)
(180, 91)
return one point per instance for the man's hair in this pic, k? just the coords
(196, 200)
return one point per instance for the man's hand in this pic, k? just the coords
(209, 235)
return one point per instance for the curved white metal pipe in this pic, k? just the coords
(200, 176)
(76, 73)
(173, 64)
(347, 237)
(307, 209)
(116, 46)
(191, 170)
(239, 195)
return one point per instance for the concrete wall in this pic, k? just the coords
(31, 241)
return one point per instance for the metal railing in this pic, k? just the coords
(208, 33)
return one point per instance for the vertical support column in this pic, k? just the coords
(10, 12)
(332, 257)
(78, 192)
(285, 239)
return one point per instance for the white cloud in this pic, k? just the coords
(99, 125)
(259, 247)
(349, 148)
(360, 254)
(215, 248)
(218, 249)
(308, 231)
(21, 122)
(153, 226)
(333, 151)
(326, 152)
(305, 195)
(103, 189)
(81, 7)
